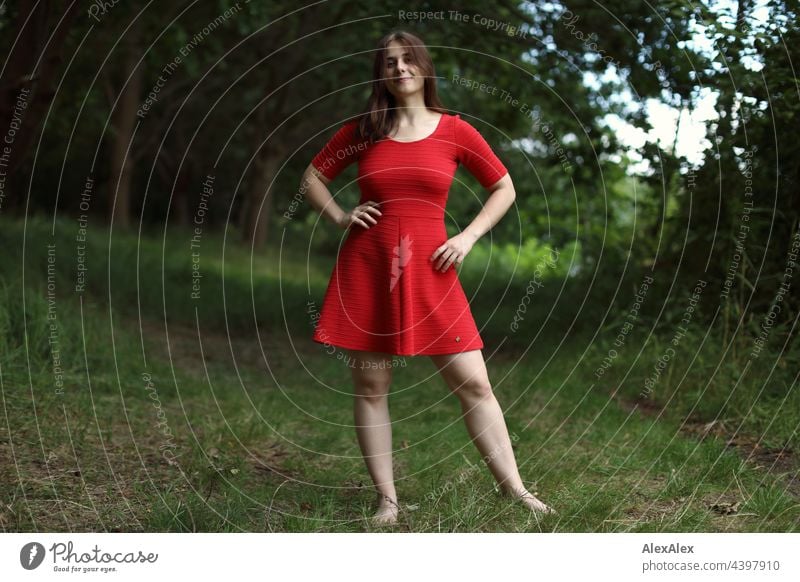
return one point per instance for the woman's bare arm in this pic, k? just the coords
(501, 197)
(315, 189)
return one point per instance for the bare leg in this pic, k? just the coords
(466, 376)
(372, 378)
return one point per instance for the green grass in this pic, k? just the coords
(261, 427)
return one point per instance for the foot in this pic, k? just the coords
(530, 500)
(387, 511)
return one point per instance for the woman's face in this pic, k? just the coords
(402, 74)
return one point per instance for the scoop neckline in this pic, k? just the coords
(435, 130)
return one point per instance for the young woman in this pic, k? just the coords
(394, 289)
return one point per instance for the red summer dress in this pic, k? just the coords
(384, 294)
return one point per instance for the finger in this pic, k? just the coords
(447, 263)
(361, 222)
(368, 217)
(369, 211)
(443, 258)
(456, 261)
(437, 252)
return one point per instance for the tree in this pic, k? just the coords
(33, 41)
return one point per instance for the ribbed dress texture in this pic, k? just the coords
(384, 294)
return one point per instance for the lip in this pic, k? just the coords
(403, 79)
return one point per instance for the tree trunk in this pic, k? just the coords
(124, 123)
(260, 198)
(27, 90)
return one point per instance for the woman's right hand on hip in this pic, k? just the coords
(360, 214)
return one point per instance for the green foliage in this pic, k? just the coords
(507, 261)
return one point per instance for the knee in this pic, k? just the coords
(372, 390)
(474, 390)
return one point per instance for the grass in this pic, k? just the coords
(260, 432)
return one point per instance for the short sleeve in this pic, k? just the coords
(341, 151)
(477, 156)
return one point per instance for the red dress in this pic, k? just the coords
(385, 294)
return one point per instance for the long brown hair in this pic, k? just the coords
(380, 116)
